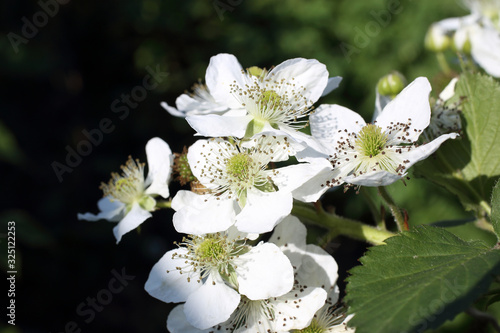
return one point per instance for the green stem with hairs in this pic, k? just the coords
(395, 210)
(308, 213)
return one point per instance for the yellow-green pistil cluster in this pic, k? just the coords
(129, 187)
(239, 168)
(371, 140)
(212, 250)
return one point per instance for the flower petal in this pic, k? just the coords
(410, 106)
(211, 304)
(263, 210)
(290, 235)
(177, 322)
(377, 178)
(111, 210)
(264, 272)
(307, 74)
(165, 281)
(223, 71)
(160, 161)
(173, 111)
(486, 50)
(423, 151)
(329, 119)
(318, 268)
(333, 83)
(214, 125)
(132, 220)
(198, 214)
(296, 309)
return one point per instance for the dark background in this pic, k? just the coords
(86, 55)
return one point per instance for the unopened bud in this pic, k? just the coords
(461, 41)
(436, 39)
(391, 84)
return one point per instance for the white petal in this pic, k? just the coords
(316, 186)
(380, 102)
(263, 210)
(132, 220)
(290, 235)
(318, 268)
(211, 304)
(173, 111)
(307, 73)
(214, 125)
(449, 90)
(373, 179)
(423, 151)
(411, 103)
(160, 161)
(224, 70)
(293, 176)
(486, 50)
(177, 322)
(165, 281)
(198, 214)
(264, 272)
(332, 84)
(329, 119)
(299, 309)
(111, 210)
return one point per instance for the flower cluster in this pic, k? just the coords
(254, 161)
(477, 34)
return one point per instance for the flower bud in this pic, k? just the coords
(436, 39)
(391, 84)
(461, 41)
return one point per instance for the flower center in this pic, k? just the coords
(238, 167)
(129, 186)
(371, 140)
(212, 250)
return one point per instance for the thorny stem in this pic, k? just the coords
(395, 210)
(339, 225)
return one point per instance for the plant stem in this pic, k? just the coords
(164, 204)
(395, 210)
(377, 215)
(341, 225)
(443, 63)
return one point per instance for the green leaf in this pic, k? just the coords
(470, 165)
(495, 209)
(417, 281)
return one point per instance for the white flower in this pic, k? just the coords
(375, 154)
(315, 272)
(210, 273)
(478, 32)
(199, 102)
(240, 188)
(262, 100)
(129, 198)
